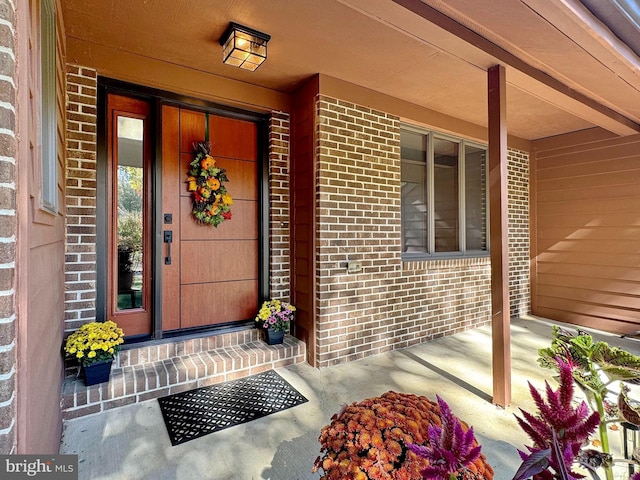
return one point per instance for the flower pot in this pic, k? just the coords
(125, 282)
(272, 337)
(98, 372)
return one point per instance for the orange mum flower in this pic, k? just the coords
(207, 162)
(370, 439)
(376, 440)
(213, 183)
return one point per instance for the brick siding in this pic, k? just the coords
(519, 254)
(279, 247)
(80, 266)
(154, 371)
(8, 230)
(389, 304)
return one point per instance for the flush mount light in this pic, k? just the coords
(244, 47)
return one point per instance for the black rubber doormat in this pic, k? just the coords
(205, 410)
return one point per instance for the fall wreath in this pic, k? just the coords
(211, 202)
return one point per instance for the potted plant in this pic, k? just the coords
(400, 436)
(94, 345)
(275, 317)
(125, 268)
(129, 248)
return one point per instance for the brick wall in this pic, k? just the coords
(80, 268)
(389, 304)
(279, 247)
(518, 201)
(8, 229)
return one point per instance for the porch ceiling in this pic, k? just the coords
(563, 75)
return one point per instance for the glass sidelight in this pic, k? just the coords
(130, 227)
(129, 223)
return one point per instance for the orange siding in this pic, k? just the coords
(586, 222)
(40, 266)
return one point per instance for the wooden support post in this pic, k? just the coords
(500, 318)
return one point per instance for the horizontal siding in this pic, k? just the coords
(586, 224)
(595, 284)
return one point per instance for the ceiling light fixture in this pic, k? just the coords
(244, 47)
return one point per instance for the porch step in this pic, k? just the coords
(157, 370)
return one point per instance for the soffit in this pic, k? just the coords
(377, 44)
(562, 39)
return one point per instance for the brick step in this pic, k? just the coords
(151, 372)
(160, 351)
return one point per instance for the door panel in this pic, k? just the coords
(231, 138)
(229, 230)
(242, 175)
(232, 260)
(172, 174)
(218, 302)
(192, 129)
(213, 276)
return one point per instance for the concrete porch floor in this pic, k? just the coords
(132, 443)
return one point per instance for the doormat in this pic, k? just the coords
(199, 412)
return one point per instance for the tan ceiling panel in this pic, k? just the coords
(377, 44)
(527, 115)
(550, 37)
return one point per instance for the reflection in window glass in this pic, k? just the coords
(475, 195)
(414, 192)
(48, 112)
(130, 189)
(444, 196)
(445, 179)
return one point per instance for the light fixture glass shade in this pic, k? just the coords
(244, 47)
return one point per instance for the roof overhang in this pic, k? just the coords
(566, 71)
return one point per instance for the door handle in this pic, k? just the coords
(168, 239)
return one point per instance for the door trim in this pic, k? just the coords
(157, 98)
(135, 318)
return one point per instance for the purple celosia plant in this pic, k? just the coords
(558, 431)
(451, 449)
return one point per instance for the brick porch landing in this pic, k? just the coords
(154, 371)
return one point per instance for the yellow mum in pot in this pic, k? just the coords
(94, 342)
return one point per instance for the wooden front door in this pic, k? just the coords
(212, 275)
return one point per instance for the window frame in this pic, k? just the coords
(47, 135)
(462, 252)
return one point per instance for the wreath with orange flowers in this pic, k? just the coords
(211, 201)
